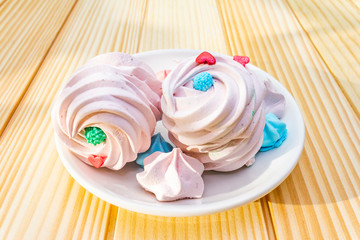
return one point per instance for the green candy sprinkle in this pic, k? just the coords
(253, 113)
(94, 135)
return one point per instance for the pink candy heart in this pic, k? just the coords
(206, 58)
(97, 161)
(243, 60)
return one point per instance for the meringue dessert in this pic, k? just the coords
(107, 111)
(171, 176)
(214, 108)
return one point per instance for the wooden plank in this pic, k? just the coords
(356, 2)
(320, 199)
(183, 24)
(2, 2)
(28, 28)
(36, 192)
(241, 223)
(333, 26)
(190, 24)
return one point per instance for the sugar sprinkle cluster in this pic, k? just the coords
(203, 81)
(94, 135)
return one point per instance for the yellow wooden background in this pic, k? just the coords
(311, 46)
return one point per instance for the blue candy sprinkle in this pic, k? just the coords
(203, 81)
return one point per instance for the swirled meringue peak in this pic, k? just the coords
(172, 176)
(223, 126)
(112, 94)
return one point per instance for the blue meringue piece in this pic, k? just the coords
(275, 133)
(158, 144)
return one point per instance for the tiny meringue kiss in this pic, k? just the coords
(172, 176)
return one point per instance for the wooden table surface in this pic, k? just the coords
(311, 46)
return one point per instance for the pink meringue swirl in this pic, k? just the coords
(172, 176)
(116, 93)
(223, 127)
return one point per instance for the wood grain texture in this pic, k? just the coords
(183, 24)
(241, 223)
(311, 46)
(2, 2)
(320, 199)
(356, 2)
(334, 28)
(36, 192)
(28, 28)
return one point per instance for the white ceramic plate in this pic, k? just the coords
(223, 191)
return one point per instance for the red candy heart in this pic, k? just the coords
(206, 58)
(97, 161)
(242, 59)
